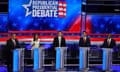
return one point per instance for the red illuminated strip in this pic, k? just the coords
(50, 38)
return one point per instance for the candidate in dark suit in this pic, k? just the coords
(84, 40)
(59, 41)
(109, 42)
(11, 44)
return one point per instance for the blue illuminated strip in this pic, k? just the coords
(57, 58)
(36, 59)
(15, 60)
(80, 58)
(104, 60)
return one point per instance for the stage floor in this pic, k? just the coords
(115, 68)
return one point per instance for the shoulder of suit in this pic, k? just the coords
(106, 38)
(16, 39)
(62, 36)
(9, 39)
(55, 37)
(81, 37)
(113, 39)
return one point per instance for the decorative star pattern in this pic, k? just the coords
(26, 6)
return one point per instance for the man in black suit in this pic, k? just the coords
(84, 40)
(11, 44)
(109, 42)
(58, 41)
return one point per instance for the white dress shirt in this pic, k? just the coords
(59, 39)
(109, 41)
(14, 42)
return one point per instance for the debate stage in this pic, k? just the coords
(25, 18)
(46, 38)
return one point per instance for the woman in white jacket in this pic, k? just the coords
(35, 42)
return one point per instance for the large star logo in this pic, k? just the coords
(26, 6)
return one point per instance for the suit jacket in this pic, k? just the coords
(56, 42)
(84, 44)
(106, 45)
(7, 51)
(10, 45)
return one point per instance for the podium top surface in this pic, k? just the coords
(107, 49)
(61, 47)
(19, 49)
(39, 48)
(85, 47)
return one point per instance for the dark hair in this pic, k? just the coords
(110, 35)
(59, 31)
(34, 39)
(84, 31)
(11, 34)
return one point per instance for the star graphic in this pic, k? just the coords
(26, 6)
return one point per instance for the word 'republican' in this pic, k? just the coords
(44, 8)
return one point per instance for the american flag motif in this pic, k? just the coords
(62, 9)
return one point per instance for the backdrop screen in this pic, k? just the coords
(3, 22)
(103, 24)
(44, 15)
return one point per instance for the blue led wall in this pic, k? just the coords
(98, 23)
(104, 24)
(3, 22)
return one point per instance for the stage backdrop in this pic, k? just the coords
(103, 23)
(61, 15)
(3, 23)
(55, 15)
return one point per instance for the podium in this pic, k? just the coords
(18, 60)
(38, 59)
(61, 53)
(107, 59)
(83, 58)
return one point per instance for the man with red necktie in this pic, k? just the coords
(84, 40)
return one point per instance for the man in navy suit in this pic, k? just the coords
(84, 40)
(109, 42)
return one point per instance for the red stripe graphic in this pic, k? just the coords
(62, 9)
